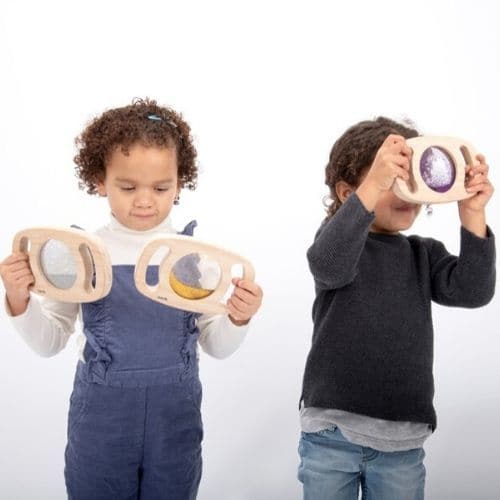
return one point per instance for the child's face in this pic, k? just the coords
(141, 187)
(393, 214)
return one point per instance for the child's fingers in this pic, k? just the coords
(397, 144)
(405, 150)
(21, 273)
(14, 258)
(480, 158)
(240, 282)
(400, 160)
(17, 266)
(403, 174)
(481, 193)
(392, 139)
(248, 285)
(25, 282)
(394, 164)
(482, 168)
(244, 295)
(236, 313)
(18, 282)
(240, 305)
(13, 275)
(245, 299)
(401, 171)
(480, 187)
(477, 179)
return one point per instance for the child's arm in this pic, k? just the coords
(221, 335)
(335, 253)
(469, 280)
(472, 210)
(45, 326)
(333, 257)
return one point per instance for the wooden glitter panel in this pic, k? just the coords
(437, 170)
(92, 262)
(194, 299)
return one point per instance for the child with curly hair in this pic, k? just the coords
(134, 425)
(367, 397)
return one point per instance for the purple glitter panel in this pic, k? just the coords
(437, 169)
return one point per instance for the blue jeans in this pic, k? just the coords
(332, 468)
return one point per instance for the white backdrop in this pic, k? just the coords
(267, 87)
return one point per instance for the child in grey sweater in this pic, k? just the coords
(368, 385)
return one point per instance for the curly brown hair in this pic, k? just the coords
(142, 122)
(355, 151)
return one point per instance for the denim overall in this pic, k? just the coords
(134, 426)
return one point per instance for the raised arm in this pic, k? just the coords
(333, 257)
(469, 279)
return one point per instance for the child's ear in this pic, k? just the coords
(101, 190)
(343, 190)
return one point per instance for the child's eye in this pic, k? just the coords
(127, 188)
(162, 189)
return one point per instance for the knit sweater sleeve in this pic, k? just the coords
(467, 280)
(333, 257)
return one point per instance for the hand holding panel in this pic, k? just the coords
(68, 264)
(183, 282)
(437, 170)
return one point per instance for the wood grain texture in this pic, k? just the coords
(89, 255)
(416, 190)
(179, 246)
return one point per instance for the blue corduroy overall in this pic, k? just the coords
(134, 425)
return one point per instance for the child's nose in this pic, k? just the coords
(143, 200)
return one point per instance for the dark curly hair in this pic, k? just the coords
(355, 151)
(141, 122)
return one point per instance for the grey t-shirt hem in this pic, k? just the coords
(381, 435)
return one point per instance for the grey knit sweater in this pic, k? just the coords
(372, 345)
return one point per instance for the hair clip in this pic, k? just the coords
(193, 275)
(68, 264)
(437, 170)
(156, 118)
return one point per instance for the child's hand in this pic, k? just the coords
(471, 210)
(17, 277)
(476, 181)
(244, 301)
(392, 160)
